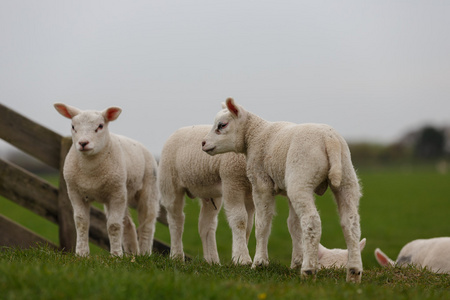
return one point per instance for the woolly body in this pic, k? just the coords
(431, 253)
(293, 160)
(113, 170)
(185, 169)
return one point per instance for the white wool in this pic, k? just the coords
(113, 170)
(335, 258)
(293, 160)
(432, 254)
(185, 169)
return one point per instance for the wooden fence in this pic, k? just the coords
(39, 196)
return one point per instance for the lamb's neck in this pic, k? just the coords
(98, 161)
(254, 129)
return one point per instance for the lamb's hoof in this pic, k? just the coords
(354, 275)
(260, 263)
(242, 261)
(309, 273)
(296, 264)
(177, 257)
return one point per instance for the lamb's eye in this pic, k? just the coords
(100, 127)
(221, 125)
(73, 127)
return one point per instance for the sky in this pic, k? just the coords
(371, 69)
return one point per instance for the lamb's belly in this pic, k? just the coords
(210, 191)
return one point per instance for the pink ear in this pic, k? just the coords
(381, 258)
(112, 113)
(232, 107)
(65, 110)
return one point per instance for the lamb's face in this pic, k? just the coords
(222, 137)
(89, 132)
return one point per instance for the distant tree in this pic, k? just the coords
(430, 143)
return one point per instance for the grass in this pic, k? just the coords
(399, 205)
(40, 273)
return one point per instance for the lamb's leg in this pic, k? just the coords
(250, 208)
(174, 205)
(265, 209)
(116, 209)
(237, 219)
(207, 226)
(296, 234)
(81, 216)
(129, 238)
(303, 202)
(347, 198)
(148, 209)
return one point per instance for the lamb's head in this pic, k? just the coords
(227, 133)
(335, 257)
(89, 128)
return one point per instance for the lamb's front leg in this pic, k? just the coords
(207, 226)
(81, 216)
(265, 209)
(116, 211)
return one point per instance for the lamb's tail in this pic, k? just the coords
(334, 149)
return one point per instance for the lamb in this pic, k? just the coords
(430, 253)
(113, 170)
(295, 161)
(185, 169)
(335, 257)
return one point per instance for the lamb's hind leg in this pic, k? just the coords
(148, 209)
(129, 239)
(174, 204)
(347, 198)
(207, 226)
(303, 203)
(296, 234)
(237, 215)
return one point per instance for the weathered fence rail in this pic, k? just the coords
(39, 196)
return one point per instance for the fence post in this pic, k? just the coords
(67, 231)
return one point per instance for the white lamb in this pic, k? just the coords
(294, 160)
(113, 170)
(185, 169)
(432, 253)
(335, 257)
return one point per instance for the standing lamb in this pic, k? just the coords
(113, 170)
(296, 161)
(432, 253)
(185, 169)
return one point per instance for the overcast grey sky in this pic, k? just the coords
(371, 69)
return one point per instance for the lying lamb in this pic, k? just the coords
(115, 171)
(432, 253)
(294, 160)
(185, 169)
(338, 258)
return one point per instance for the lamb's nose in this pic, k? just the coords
(203, 144)
(83, 144)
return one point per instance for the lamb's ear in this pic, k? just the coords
(232, 107)
(321, 252)
(382, 258)
(112, 113)
(224, 106)
(66, 110)
(362, 244)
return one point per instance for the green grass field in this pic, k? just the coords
(399, 205)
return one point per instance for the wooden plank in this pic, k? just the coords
(15, 235)
(30, 137)
(66, 223)
(29, 191)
